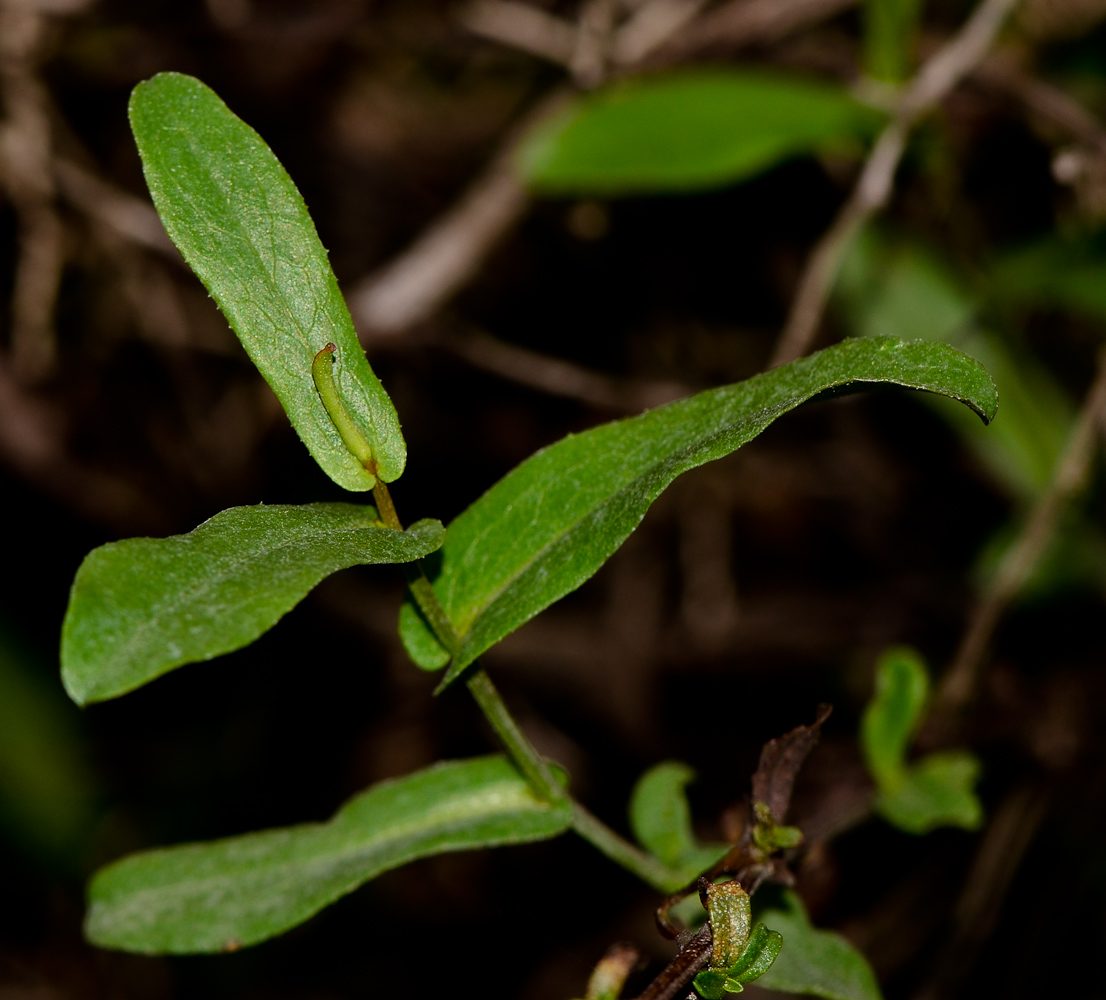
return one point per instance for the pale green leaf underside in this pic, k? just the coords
(230, 893)
(688, 130)
(814, 962)
(548, 525)
(142, 606)
(237, 218)
(46, 781)
(661, 820)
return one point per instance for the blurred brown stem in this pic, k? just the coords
(937, 77)
(561, 378)
(1068, 480)
(998, 857)
(413, 286)
(25, 156)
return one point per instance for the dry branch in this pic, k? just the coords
(25, 172)
(522, 26)
(446, 256)
(743, 23)
(561, 378)
(450, 251)
(935, 80)
(126, 215)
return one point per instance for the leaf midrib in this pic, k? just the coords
(446, 822)
(588, 514)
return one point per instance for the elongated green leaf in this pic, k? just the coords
(239, 221)
(143, 606)
(661, 820)
(235, 892)
(813, 962)
(548, 525)
(689, 130)
(889, 721)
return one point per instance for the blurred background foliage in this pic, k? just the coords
(756, 588)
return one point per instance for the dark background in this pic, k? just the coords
(756, 588)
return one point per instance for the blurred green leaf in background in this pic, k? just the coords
(894, 286)
(890, 27)
(934, 791)
(46, 786)
(690, 130)
(661, 820)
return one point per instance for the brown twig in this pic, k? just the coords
(937, 77)
(742, 23)
(1000, 853)
(32, 441)
(1000, 72)
(450, 251)
(675, 976)
(559, 377)
(1068, 480)
(522, 26)
(126, 215)
(650, 26)
(28, 180)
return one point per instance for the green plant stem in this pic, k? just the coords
(522, 752)
(526, 758)
(384, 506)
(622, 852)
(533, 767)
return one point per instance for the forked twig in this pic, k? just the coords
(937, 77)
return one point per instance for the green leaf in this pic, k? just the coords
(710, 984)
(231, 893)
(548, 525)
(1056, 273)
(239, 221)
(143, 606)
(661, 820)
(937, 791)
(814, 962)
(893, 714)
(762, 950)
(689, 130)
(889, 30)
